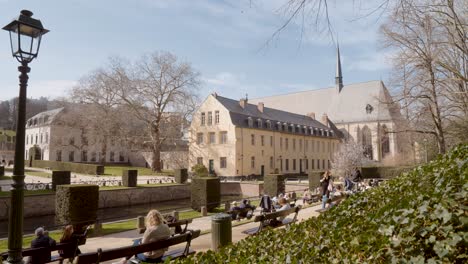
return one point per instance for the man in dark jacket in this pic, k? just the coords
(41, 240)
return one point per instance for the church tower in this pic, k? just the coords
(339, 76)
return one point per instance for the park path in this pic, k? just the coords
(202, 243)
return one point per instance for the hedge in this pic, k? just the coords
(69, 166)
(383, 172)
(417, 217)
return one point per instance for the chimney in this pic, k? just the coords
(311, 115)
(243, 102)
(325, 120)
(260, 107)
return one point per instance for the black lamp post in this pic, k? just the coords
(25, 38)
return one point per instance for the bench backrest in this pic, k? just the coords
(174, 224)
(116, 253)
(28, 252)
(274, 215)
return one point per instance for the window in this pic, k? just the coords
(250, 121)
(216, 117)
(281, 143)
(58, 155)
(222, 137)
(72, 141)
(36, 138)
(329, 164)
(84, 155)
(300, 144)
(46, 138)
(323, 146)
(199, 138)
(252, 162)
(259, 123)
(286, 142)
(278, 125)
(222, 163)
(42, 137)
(287, 164)
(71, 156)
(112, 156)
(93, 157)
(271, 141)
(313, 164)
(203, 118)
(121, 157)
(210, 118)
(262, 140)
(323, 164)
(281, 164)
(252, 139)
(328, 147)
(294, 144)
(211, 137)
(268, 123)
(306, 145)
(271, 163)
(294, 164)
(318, 164)
(27, 141)
(200, 160)
(306, 161)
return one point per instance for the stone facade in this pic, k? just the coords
(229, 148)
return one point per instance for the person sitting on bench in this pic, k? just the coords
(284, 206)
(306, 197)
(245, 205)
(42, 240)
(156, 229)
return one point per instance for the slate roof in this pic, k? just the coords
(349, 105)
(239, 115)
(44, 118)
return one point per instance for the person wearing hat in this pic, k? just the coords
(41, 240)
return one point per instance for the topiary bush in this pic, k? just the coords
(273, 184)
(60, 178)
(76, 204)
(205, 191)
(180, 175)
(419, 217)
(314, 179)
(129, 178)
(200, 170)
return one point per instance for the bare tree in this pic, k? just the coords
(162, 92)
(350, 155)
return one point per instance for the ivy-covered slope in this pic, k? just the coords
(418, 217)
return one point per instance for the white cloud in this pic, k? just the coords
(373, 61)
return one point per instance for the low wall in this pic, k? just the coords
(39, 205)
(296, 187)
(241, 189)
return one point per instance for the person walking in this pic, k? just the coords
(324, 184)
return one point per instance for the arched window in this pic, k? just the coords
(366, 140)
(384, 141)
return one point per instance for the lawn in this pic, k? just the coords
(117, 171)
(26, 192)
(33, 173)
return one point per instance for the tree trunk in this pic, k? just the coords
(156, 162)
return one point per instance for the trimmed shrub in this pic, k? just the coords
(60, 178)
(383, 172)
(76, 204)
(180, 175)
(314, 179)
(273, 184)
(129, 178)
(200, 170)
(205, 191)
(69, 166)
(417, 217)
(2, 171)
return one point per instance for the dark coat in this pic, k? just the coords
(38, 242)
(324, 184)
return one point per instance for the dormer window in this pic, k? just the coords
(285, 127)
(250, 121)
(278, 126)
(293, 128)
(259, 123)
(268, 124)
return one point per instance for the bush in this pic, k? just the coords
(60, 178)
(180, 175)
(273, 184)
(76, 204)
(129, 178)
(418, 217)
(200, 170)
(205, 191)
(69, 166)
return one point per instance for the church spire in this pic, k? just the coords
(339, 76)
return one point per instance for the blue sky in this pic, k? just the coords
(224, 41)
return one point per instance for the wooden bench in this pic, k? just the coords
(177, 224)
(242, 213)
(264, 220)
(122, 252)
(42, 251)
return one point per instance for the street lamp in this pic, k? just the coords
(25, 39)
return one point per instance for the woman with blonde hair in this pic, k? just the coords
(156, 229)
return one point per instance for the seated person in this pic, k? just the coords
(348, 184)
(337, 196)
(41, 240)
(69, 236)
(287, 196)
(306, 196)
(234, 210)
(246, 205)
(156, 229)
(284, 206)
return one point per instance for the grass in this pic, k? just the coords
(42, 174)
(26, 193)
(117, 171)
